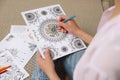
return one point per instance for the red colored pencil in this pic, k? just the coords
(3, 71)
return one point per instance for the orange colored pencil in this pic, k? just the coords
(4, 68)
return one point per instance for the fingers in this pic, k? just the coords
(62, 29)
(62, 17)
(39, 57)
(47, 53)
(62, 26)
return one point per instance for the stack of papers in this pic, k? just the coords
(41, 32)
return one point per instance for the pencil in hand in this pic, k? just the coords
(70, 18)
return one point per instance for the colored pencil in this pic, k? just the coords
(3, 71)
(4, 68)
(70, 18)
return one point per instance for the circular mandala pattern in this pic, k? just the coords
(44, 12)
(57, 10)
(64, 49)
(77, 43)
(49, 30)
(30, 16)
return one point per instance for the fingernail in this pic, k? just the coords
(58, 27)
(60, 22)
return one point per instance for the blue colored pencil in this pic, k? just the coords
(64, 21)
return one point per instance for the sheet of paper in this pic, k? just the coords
(16, 72)
(44, 29)
(59, 43)
(18, 29)
(19, 46)
(22, 31)
(36, 16)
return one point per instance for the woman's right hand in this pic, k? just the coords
(70, 26)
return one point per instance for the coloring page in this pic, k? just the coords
(18, 29)
(21, 49)
(36, 16)
(16, 72)
(44, 29)
(60, 44)
(22, 31)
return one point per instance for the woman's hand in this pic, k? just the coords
(70, 26)
(47, 65)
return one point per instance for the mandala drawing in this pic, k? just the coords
(57, 10)
(64, 49)
(49, 31)
(44, 12)
(77, 43)
(30, 16)
(47, 35)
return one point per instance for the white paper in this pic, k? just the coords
(44, 29)
(22, 49)
(18, 29)
(16, 72)
(36, 16)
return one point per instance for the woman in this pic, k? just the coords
(101, 60)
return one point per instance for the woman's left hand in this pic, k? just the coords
(47, 65)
